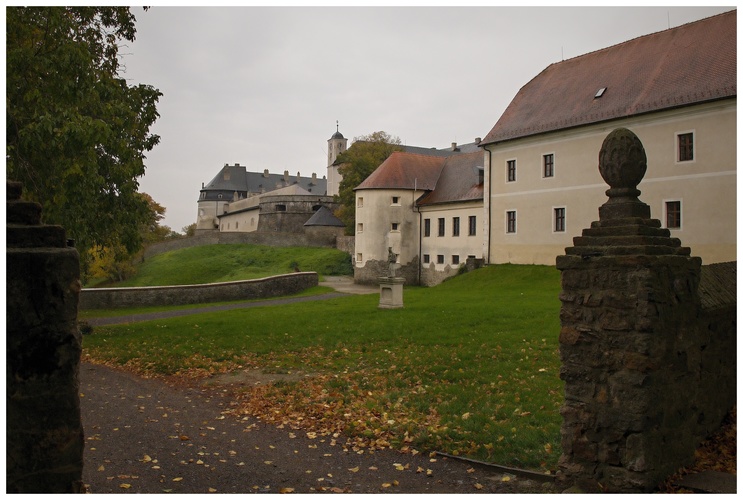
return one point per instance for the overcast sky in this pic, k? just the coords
(264, 86)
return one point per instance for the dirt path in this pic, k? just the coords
(143, 436)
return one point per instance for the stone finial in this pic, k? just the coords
(622, 164)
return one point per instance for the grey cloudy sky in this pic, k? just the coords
(264, 86)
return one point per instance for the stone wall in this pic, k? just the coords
(44, 434)
(311, 239)
(274, 286)
(647, 341)
(374, 269)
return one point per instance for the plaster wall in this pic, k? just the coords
(705, 186)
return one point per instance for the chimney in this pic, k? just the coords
(454, 146)
(314, 179)
(265, 173)
(286, 176)
(478, 140)
(299, 177)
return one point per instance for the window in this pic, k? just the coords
(360, 202)
(395, 200)
(455, 259)
(236, 223)
(442, 226)
(281, 208)
(559, 214)
(426, 258)
(395, 226)
(439, 259)
(473, 225)
(673, 214)
(358, 257)
(360, 227)
(455, 226)
(511, 170)
(511, 221)
(426, 227)
(686, 146)
(549, 165)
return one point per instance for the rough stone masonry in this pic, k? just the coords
(44, 434)
(648, 371)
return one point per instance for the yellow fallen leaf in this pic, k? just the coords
(505, 479)
(470, 470)
(386, 485)
(396, 483)
(478, 486)
(429, 472)
(466, 416)
(125, 486)
(176, 479)
(146, 459)
(286, 490)
(212, 490)
(355, 469)
(101, 468)
(420, 469)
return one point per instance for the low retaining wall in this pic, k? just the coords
(274, 286)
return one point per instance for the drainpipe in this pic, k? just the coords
(490, 187)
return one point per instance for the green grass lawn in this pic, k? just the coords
(469, 367)
(219, 263)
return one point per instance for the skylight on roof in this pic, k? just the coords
(600, 92)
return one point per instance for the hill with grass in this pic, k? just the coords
(220, 263)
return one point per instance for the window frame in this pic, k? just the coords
(679, 214)
(395, 227)
(440, 259)
(455, 226)
(455, 259)
(472, 229)
(551, 173)
(426, 228)
(511, 225)
(442, 227)
(395, 200)
(360, 202)
(359, 227)
(690, 149)
(426, 258)
(511, 170)
(559, 222)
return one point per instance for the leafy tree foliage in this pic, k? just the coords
(189, 230)
(76, 132)
(356, 164)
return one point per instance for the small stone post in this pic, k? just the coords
(390, 287)
(44, 434)
(629, 299)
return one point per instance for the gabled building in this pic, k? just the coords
(676, 90)
(235, 182)
(395, 207)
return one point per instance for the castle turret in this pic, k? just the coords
(336, 145)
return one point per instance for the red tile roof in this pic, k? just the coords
(686, 65)
(459, 180)
(405, 171)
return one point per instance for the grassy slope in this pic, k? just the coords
(219, 263)
(470, 366)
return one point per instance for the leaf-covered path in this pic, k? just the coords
(143, 436)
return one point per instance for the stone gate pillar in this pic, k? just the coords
(629, 299)
(44, 435)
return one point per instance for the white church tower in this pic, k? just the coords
(336, 145)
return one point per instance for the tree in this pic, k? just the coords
(189, 230)
(356, 164)
(76, 132)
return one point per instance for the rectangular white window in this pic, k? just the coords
(395, 226)
(673, 214)
(511, 221)
(439, 259)
(685, 147)
(511, 171)
(455, 259)
(559, 219)
(548, 165)
(395, 200)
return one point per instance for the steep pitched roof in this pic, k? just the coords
(403, 170)
(460, 180)
(324, 217)
(686, 65)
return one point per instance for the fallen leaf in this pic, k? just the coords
(286, 490)
(505, 479)
(355, 469)
(478, 486)
(125, 486)
(212, 490)
(101, 468)
(386, 485)
(176, 479)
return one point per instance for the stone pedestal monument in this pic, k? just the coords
(44, 434)
(629, 306)
(390, 287)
